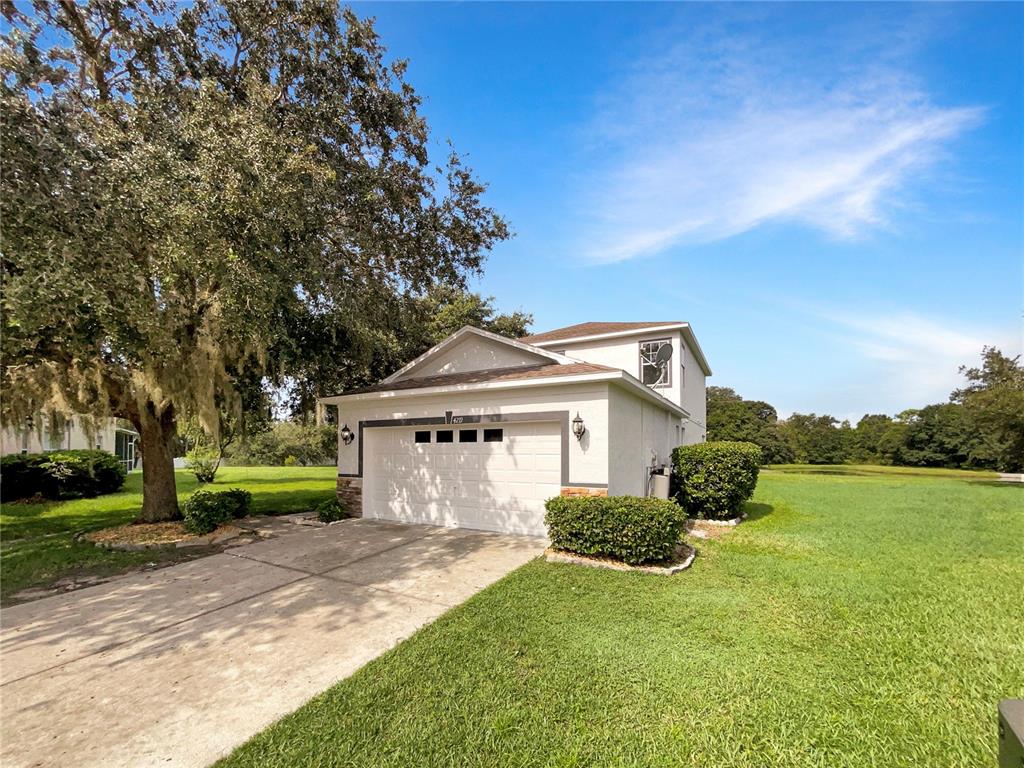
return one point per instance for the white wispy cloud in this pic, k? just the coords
(908, 359)
(726, 130)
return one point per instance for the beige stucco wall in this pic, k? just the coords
(588, 458)
(474, 353)
(694, 396)
(687, 389)
(639, 431)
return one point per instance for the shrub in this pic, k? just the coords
(242, 499)
(290, 461)
(205, 510)
(203, 463)
(22, 476)
(712, 480)
(633, 529)
(61, 474)
(331, 511)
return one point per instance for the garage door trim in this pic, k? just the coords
(482, 418)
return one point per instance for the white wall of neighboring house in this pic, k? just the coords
(73, 436)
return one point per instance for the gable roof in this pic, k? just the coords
(514, 373)
(593, 329)
(468, 330)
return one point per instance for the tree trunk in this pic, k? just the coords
(156, 440)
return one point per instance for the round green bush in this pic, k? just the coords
(331, 511)
(205, 510)
(712, 480)
(633, 529)
(242, 499)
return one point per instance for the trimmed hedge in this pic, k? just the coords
(633, 529)
(204, 511)
(60, 474)
(331, 511)
(712, 480)
(243, 501)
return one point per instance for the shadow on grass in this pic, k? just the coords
(998, 484)
(756, 510)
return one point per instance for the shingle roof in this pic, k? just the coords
(590, 329)
(480, 377)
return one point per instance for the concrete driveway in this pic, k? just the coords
(176, 667)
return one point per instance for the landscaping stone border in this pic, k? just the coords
(693, 526)
(686, 552)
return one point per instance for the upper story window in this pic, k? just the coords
(655, 363)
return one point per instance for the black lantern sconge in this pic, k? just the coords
(347, 435)
(578, 427)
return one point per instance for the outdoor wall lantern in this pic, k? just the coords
(578, 427)
(347, 435)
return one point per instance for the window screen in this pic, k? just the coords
(444, 436)
(423, 437)
(494, 435)
(467, 435)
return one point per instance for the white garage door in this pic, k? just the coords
(494, 477)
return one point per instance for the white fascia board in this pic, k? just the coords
(387, 394)
(616, 377)
(467, 330)
(694, 346)
(687, 331)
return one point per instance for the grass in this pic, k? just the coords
(851, 621)
(37, 546)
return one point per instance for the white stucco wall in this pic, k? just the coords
(74, 437)
(638, 431)
(473, 353)
(694, 396)
(588, 458)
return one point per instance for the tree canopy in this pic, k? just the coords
(197, 195)
(982, 426)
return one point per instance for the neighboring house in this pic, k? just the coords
(116, 436)
(480, 430)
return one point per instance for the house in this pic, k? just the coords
(36, 435)
(480, 430)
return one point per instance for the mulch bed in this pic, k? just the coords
(137, 536)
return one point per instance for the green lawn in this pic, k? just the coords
(851, 621)
(37, 548)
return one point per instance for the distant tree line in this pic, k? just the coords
(981, 426)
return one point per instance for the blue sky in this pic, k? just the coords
(831, 194)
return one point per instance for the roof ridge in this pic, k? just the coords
(595, 328)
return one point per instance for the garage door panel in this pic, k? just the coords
(493, 486)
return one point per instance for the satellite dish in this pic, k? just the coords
(664, 354)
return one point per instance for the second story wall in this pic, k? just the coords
(624, 353)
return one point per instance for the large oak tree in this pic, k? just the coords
(187, 191)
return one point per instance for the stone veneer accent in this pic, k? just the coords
(350, 493)
(578, 491)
